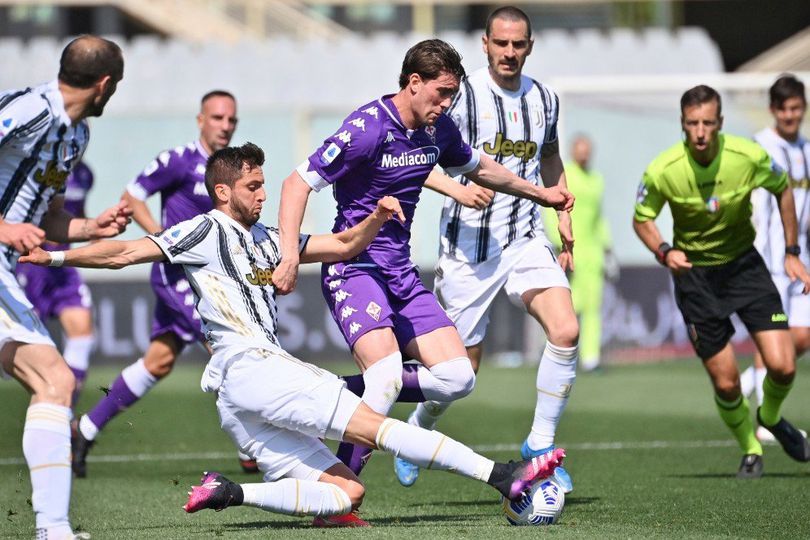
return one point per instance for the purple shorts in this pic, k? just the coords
(175, 305)
(360, 299)
(52, 290)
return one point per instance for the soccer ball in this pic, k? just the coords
(542, 505)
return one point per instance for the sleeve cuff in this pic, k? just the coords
(302, 242)
(475, 158)
(312, 178)
(137, 191)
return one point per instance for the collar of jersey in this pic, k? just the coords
(392, 111)
(222, 216)
(54, 97)
(503, 92)
(201, 149)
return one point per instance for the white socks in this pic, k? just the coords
(447, 381)
(77, 351)
(431, 450)
(428, 413)
(751, 381)
(297, 497)
(383, 381)
(46, 446)
(138, 379)
(555, 377)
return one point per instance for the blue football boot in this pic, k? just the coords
(406, 472)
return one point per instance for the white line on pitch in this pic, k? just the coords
(183, 456)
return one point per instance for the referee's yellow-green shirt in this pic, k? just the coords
(711, 206)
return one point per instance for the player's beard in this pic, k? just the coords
(243, 214)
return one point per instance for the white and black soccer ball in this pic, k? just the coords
(542, 505)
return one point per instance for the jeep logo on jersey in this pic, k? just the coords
(260, 276)
(51, 177)
(427, 155)
(524, 150)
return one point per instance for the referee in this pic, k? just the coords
(707, 181)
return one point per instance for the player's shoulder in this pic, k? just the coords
(26, 110)
(743, 147)
(667, 160)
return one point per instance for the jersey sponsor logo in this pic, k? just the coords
(51, 176)
(329, 155)
(374, 310)
(803, 183)
(260, 276)
(525, 150)
(427, 155)
(779, 317)
(199, 189)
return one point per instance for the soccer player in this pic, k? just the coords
(707, 181)
(60, 293)
(43, 134)
(388, 147)
(178, 175)
(513, 119)
(791, 152)
(273, 405)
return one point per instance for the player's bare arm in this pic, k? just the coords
(20, 236)
(793, 265)
(349, 243)
(62, 226)
(294, 196)
(552, 172)
(105, 254)
(674, 259)
(495, 176)
(471, 195)
(141, 214)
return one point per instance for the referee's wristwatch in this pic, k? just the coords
(793, 250)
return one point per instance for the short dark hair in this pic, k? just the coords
(87, 59)
(428, 59)
(509, 13)
(786, 86)
(216, 93)
(225, 165)
(699, 95)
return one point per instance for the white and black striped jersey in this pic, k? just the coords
(510, 127)
(793, 157)
(230, 271)
(38, 148)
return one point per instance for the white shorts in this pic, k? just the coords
(276, 407)
(467, 290)
(796, 304)
(18, 322)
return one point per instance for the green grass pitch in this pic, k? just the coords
(648, 454)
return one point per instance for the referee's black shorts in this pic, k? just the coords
(708, 295)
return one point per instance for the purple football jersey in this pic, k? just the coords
(373, 155)
(179, 176)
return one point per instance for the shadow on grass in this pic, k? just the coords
(581, 500)
(733, 475)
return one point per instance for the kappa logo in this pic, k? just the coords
(332, 271)
(373, 309)
(346, 312)
(189, 299)
(359, 122)
(341, 295)
(372, 111)
(182, 286)
(354, 328)
(335, 284)
(389, 138)
(344, 136)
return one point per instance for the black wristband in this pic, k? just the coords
(793, 250)
(661, 253)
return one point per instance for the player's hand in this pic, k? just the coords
(285, 276)
(22, 237)
(677, 262)
(556, 197)
(112, 222)
(37, 256)
(474, 196)
(566, 258)
(388, 207)
(796, 271)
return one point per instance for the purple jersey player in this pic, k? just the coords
(179, 176)
(388, 147)
(60, 293)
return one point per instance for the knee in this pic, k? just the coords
(565, 334)
(159, 366)
(459, 379)
(728, 388)
(58, 387)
